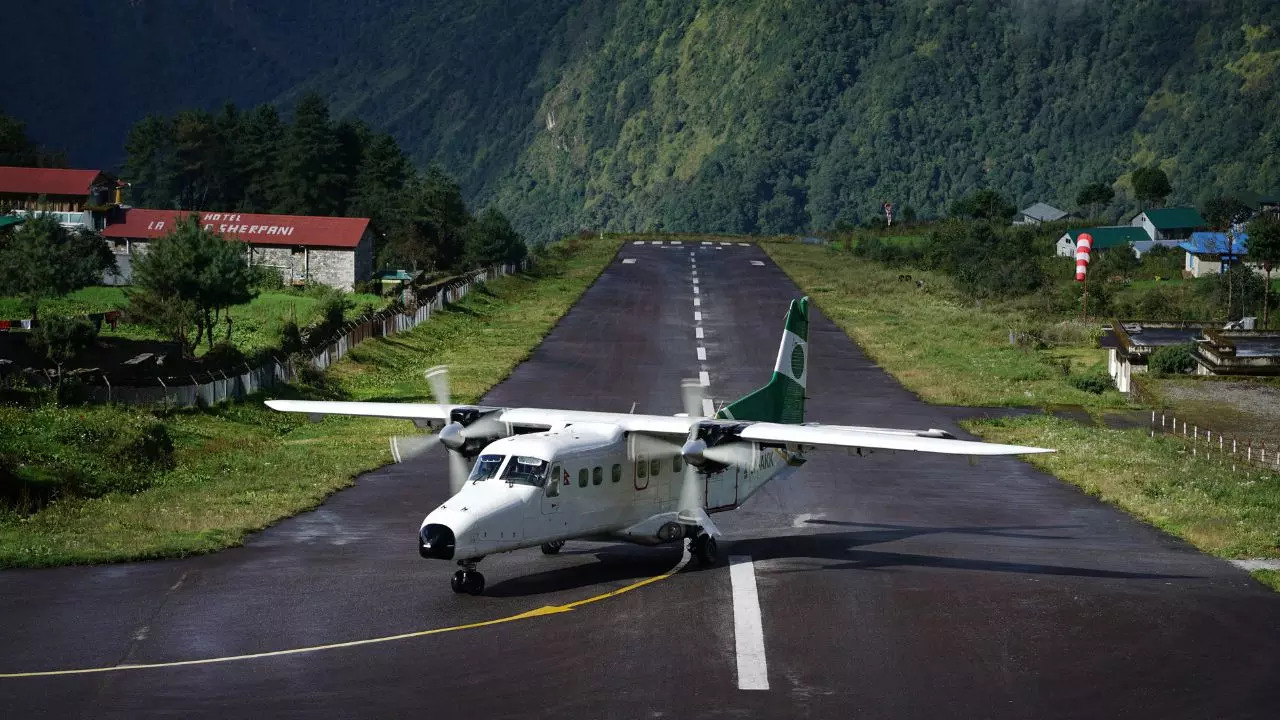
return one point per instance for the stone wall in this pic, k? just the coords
(337, 267)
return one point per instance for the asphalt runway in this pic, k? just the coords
(889, 586)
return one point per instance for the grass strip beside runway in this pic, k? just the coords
(946, 349)
(239, 467)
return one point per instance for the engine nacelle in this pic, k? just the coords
(715, 445)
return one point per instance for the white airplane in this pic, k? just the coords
(542, 477)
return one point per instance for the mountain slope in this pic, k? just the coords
(715, 115)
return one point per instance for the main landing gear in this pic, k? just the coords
(704, 549)
(553, 547)
(467, 580)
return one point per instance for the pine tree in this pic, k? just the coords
(257, 159)
(150, 163)
(308, 183)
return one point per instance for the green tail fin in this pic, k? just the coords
(782, 400)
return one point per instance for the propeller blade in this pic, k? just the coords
(408, 447)
(438, 378)
(692, 489)
(459, 469)
(691, 396)
(485, 426)
(734, 453)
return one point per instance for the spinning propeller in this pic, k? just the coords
(468, 431)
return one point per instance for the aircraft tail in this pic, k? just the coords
(782, 399)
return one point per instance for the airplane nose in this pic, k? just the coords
(436, 541)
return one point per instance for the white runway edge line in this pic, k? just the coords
(748, 630)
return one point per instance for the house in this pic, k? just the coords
(1209, 252)
(1169, 223)
(332, 251)
(1218, 350)
(1039, 213)
(1104, 238)
(79, 199)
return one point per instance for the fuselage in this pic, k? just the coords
(578, 481)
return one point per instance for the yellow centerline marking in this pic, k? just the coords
(535, 613)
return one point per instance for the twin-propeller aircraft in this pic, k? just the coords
(541, 477)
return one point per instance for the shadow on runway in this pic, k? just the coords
(611, 565)
(842, 549)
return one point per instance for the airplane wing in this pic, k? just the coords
(811, 435)
(840, 436)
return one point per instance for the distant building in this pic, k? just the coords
(77, 198)
(1039, 213)
(1169, 223)
(1218, 351)
(1104, 238)
(332, 251)
(1209, 252)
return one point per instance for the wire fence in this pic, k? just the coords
(1241, 453)
(216, 386)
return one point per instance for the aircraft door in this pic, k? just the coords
(551, 497)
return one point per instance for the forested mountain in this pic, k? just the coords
(731, 115)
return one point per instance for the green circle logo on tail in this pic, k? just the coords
(797, 362)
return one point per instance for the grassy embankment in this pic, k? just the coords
(239, 467)
(948, 350)
(255, 325)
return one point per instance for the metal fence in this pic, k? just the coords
(1241, 453)
(216, 386)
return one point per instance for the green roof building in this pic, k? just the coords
(1169, 223)
(1104, 238)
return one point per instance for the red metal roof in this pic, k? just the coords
(140, 223)
(46, 181)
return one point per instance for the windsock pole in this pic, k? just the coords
(1084, 244)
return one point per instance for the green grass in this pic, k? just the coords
(946, 349)
(255, 325)
(1270, 578)
(1228, 513)
(240, 467)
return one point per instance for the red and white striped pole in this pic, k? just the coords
(1084, 243)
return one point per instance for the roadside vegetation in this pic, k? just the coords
(96, 484)
(947, 347)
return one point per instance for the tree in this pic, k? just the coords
(1224, 214)
(308, 182)
(379, 184)
(185, 282)
(984, 205)
(63, 339)
(150, 163)
(16, 149)
(1094, 195)
(1264, 249)
(1150, 185)
(42, 260)
(257, 159)
(490, 240)
(431, 235)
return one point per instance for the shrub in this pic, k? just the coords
(1172, 360)
(1095, 382)
(290, 337)
(223, 355)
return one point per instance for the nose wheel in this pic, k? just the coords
(470, 582)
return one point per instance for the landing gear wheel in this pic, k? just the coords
(705, 550)
(553, 547)
(467, 581)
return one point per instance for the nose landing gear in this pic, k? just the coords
(467, 580)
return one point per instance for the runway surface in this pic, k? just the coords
(891, 586)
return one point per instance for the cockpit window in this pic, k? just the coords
(526, 471)
(486, 467)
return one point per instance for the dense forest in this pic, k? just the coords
(746, 116)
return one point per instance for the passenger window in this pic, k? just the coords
(655, 467)
(642, 468)
(582, 477)
(617, 473)
(676, 464)
(597, 475)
